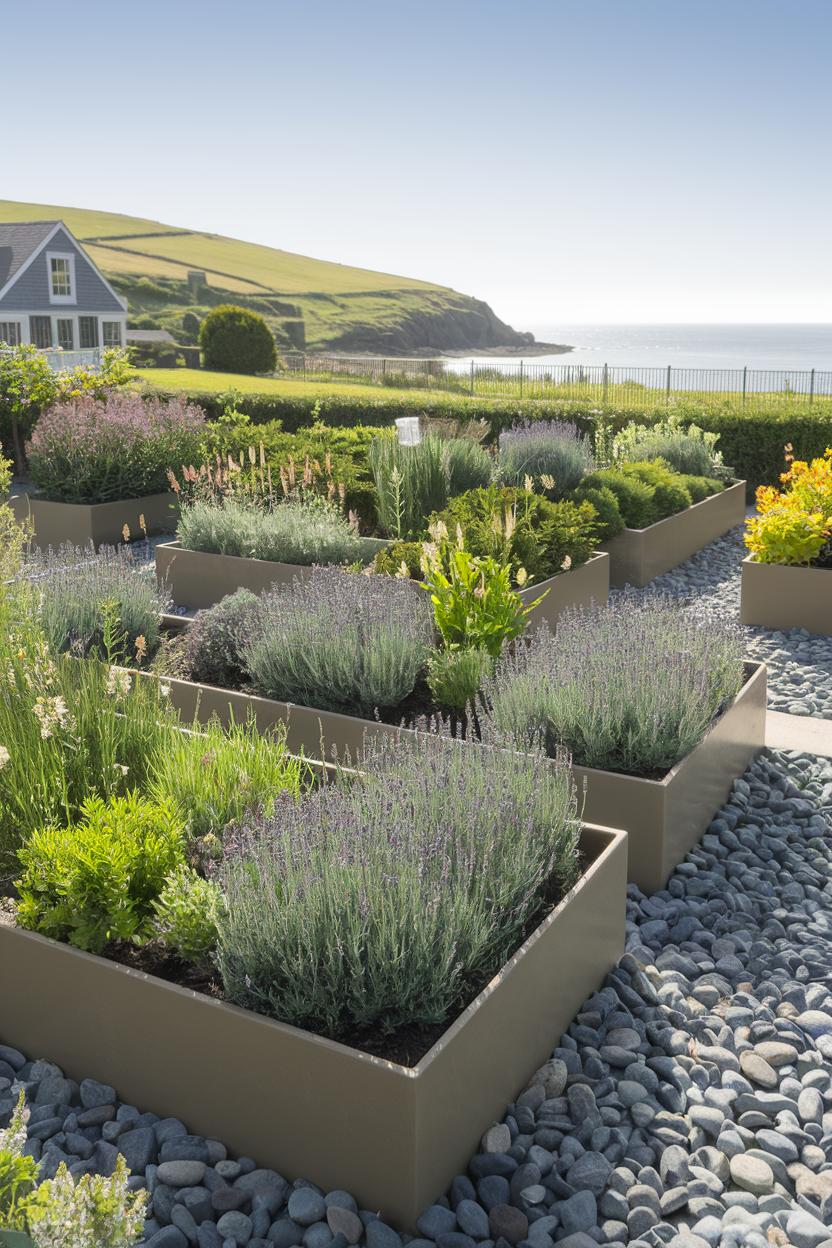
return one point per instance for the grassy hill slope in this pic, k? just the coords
(325, 304)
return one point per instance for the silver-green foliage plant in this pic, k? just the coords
(185, 914)
(339, 641)
(93, 1211)
(304, 533)
(631, 687)
(390, 897)
(549, 451)
(455, 677)
(212, 643)
(686, 448)
(414, 481)
(72, 586)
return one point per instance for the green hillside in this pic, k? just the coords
(316, 303)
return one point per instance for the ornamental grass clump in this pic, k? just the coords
(303, 533)
(414, 481)
(72, 586)
(389, 898)
(550, 449)
(686, 448)
(631, 687)
(101, 450)
(339, 641)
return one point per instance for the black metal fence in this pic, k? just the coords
(602, 382)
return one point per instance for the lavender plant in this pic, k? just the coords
(339, 641)
(72, 585)
(212, 643)
(304, 533)
(631, 687)
(548, 451)
(97, 450)
(436, 860)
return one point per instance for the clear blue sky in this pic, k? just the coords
(600, 160)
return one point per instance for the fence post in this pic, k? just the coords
(521, 379)
(811, 385)
(606, 379)
(472, 376)
(667, 390)
(744, 383)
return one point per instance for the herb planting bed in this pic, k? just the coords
(198, 578)
(720, 986)
(664, 818)
(637, 556)
(99, 523)
(304, 1104)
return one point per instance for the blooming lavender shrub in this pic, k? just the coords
(550, 449)
(630, 687)
(389, 898)
(73, 587)
(339, 641)
(99, 450)
(292, 532)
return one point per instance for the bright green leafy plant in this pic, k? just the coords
(455, 677)
(474, 605)
(96, 882)
(185, 914)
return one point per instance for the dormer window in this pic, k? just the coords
(61, 277)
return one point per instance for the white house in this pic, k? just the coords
(52, 294)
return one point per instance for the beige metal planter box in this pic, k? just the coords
(664, 818)
(199, 578)
(100, 523)
(639, 555)
(775, 595)
(579, 587)
(393, 1135)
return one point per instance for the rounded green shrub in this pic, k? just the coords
(670, 494)
(606, 504)
(237, 340)
(634, 498)
(701, 488)
(389, 560)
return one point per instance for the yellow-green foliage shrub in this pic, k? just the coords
(795, 527)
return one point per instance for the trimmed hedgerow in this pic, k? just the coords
(631, 687)
(436, 859)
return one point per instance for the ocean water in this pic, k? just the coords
(690, 346)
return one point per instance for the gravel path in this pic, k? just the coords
(800, 663)
(690, 1103)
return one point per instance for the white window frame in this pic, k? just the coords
(111, 320)
(74, 329)
(72, 297)
(13, 320)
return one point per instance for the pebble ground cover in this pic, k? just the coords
(689, 1104)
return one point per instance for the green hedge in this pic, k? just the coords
(751, 440)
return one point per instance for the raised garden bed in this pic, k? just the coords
(392, 1134)
(99, 523)
(197, 578)
(775, 595)
(664, 818)
(639, 555)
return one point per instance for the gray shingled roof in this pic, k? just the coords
(18, 239)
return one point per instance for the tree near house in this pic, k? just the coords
(237, 340)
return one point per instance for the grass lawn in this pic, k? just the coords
(200, 381)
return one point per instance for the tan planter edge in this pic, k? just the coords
(393, 1135)
(664, 818)
(776, 595)
(637, 556)
(100, 523)
(584, 586)
(199, 578)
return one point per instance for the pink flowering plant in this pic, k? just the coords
(98, 450)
